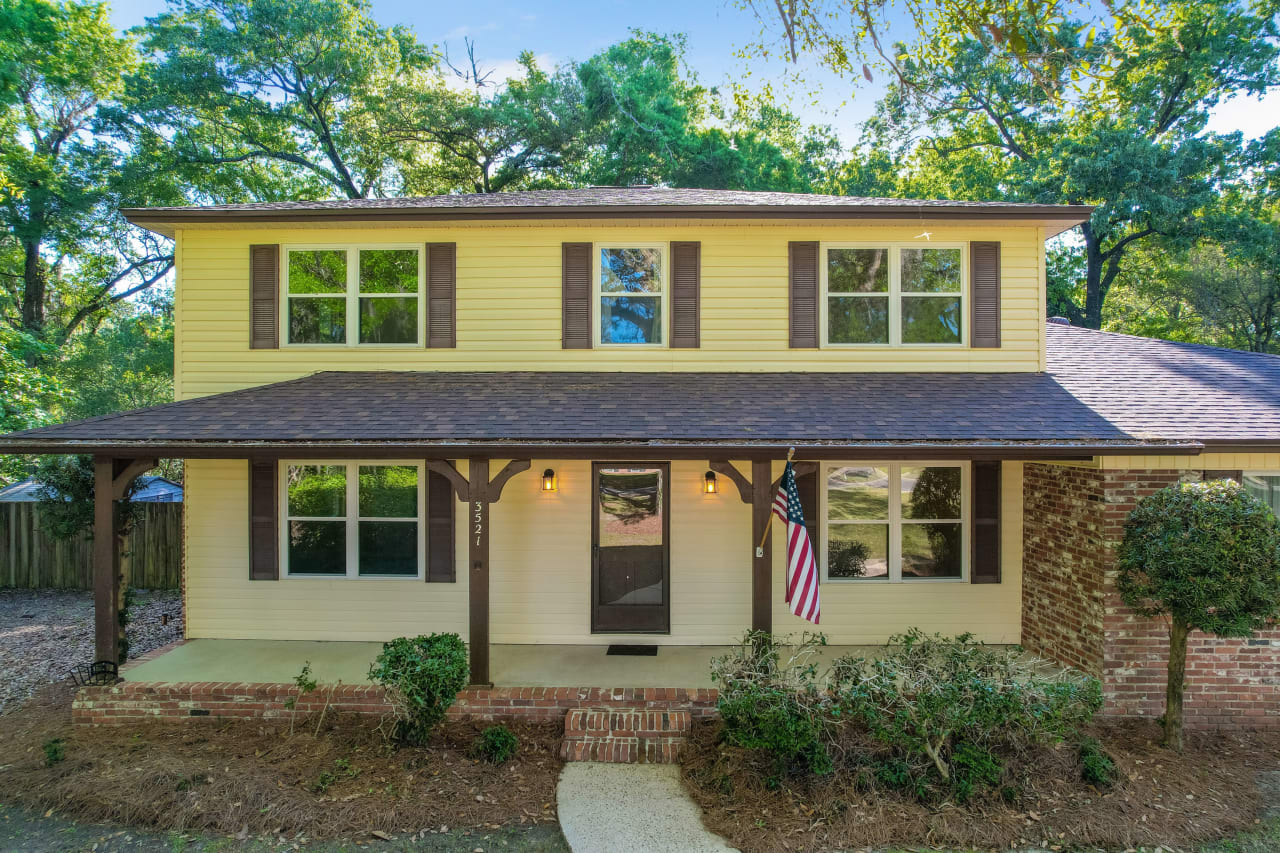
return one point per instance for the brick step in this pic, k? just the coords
(624, 735)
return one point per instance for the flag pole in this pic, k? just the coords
(791, 452)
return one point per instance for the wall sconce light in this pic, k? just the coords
(548, 480)
(709, 483)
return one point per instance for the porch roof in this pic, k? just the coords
(1102, 393)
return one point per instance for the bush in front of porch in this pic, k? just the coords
(422, 675)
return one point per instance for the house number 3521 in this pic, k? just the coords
(479, 521)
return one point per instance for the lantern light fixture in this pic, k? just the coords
(709, 483)
(548, 480)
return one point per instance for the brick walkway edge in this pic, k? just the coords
(129, 702)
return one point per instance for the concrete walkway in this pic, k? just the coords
(640, 808)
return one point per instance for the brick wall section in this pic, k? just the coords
(129, 702)
(1062, 565)
(1073, 522)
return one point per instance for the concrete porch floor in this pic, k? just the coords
(278, 661)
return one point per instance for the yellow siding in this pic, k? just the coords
(540, 547)
(1183, 462)
(508, 301)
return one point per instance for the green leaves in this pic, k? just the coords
(423, 676)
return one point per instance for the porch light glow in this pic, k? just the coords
(548, 480)
(709, 483)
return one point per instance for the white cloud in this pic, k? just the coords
(1251, 116)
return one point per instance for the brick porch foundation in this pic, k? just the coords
(129, 702)
(1073, 521)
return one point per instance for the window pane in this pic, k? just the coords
(388, 491)
(1265, 489)
(858, 320)
(631, 270)
(319, 271)
(318, 491)
(931, 319)
(856, 493)
(630, 320)
(388, 548)
(388, 271)
(931, 492)
(858, 270)
(858, 551)
(317, 547)
(318, 321)
(930, 270)
(931, 550)
(389, 320)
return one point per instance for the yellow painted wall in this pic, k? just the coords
(508, 301)
(1213, 461)
(540, 547)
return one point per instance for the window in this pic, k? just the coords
(895, 521)
(630, 290)
(353, 296)
(892, 295)
(1264, 487)
(349, 519)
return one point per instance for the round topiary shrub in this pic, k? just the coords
(496, 745)
(1207, 555)
(423, 676)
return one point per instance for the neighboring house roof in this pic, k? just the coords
(151, 489)
(1102, 392)
(597, 202)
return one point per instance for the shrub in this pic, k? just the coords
(1207, 555)
(944, 706)
(423, 676)
(496, 745)
(54, 751)
(1096, 767)
(772, 705)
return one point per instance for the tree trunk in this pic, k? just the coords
(1093, 292)
(1177, 678)
(35, 281)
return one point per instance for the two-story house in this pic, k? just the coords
(554, 421)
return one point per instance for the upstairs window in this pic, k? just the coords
(893, 295)
(631, 292)
(353, 296)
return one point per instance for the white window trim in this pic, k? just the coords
(353, 293)
(663, 295)
(896, 521)
(352, 518)
(894, 294)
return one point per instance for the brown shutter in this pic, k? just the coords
(985, 567)
(686, 280)
(807, 484)
(575, 299)
(984, 294)
(442, 276)
(440, 529)
(803, 279)
(1238, 476)
(264, 297)
(264, 537)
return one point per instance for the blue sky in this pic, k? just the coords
(561, 31)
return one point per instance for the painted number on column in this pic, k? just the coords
(479, 521)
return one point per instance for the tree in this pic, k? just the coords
(297, 88)
(1032, 105)
(1207, 556)
(68, 253)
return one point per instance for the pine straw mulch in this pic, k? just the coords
(1206, 793)
(252, 777)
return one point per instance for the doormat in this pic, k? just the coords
(640, 651)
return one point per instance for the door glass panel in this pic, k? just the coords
(631, 558)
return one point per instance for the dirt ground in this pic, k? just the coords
(248, 779)
(45, 633)
(1181, 801)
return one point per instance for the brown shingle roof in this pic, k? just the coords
(1102, 391)
(610, 202)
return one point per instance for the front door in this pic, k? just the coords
(630, 569)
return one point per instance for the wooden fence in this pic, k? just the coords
(151, 554)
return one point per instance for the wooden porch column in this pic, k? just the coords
(762, 558)
(478, 549)
(111, 478)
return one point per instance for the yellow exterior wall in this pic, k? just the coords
(540, 581)
(508, 301)
(1212, 461)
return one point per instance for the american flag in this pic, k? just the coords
(802, 568)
